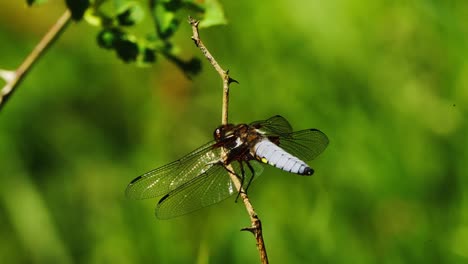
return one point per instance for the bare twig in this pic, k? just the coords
(256, 227)
(15, 77)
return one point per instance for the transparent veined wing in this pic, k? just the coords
(276, 125)
(210, 187)
(305, 144)
(164, 179)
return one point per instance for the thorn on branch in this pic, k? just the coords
(193, 21)
(252, 230)
(256, 228)
(228, 78)
(231, 80)
(196, 41)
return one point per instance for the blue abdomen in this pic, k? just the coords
(268, 152)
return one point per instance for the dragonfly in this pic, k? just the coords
(201, 178)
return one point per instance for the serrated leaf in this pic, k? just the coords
(130, 13)
(214, 14)
(77, 8)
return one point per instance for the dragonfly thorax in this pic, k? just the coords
(237, 140)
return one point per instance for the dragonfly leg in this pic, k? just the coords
(241, 178)
(252, 177)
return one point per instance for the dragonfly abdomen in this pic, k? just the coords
(268, 152)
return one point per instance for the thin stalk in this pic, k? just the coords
(17, 76)
(256, 227)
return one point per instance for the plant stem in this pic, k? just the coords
(256, 228)
(17, 76)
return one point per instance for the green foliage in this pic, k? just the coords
(35, 2)
(127, 50)
(149, 56)
(77, 8)
(214, 14)
(387, 81)
(118, 22)
(109, 37)
(165, 17)
(129, 14)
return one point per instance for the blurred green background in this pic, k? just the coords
(387, 81)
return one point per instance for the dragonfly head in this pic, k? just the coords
(222, 132)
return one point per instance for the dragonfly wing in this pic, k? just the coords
(276, 125)
(210, 187)
(305, 144)
(169, 177)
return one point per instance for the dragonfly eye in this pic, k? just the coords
(217, 134)
(223, 131)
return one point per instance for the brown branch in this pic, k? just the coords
(17, 76)
(256, 227)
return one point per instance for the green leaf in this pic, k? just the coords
(165, 20)
(194, 6)
(35, 2)
(97, 18)
(193, 66)
(77, 8)
(109, 37)
(214, 14)
(170, 27)
(93, 18)
(148, 56)
(173, 5)
(127, 50)
(130, 13)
